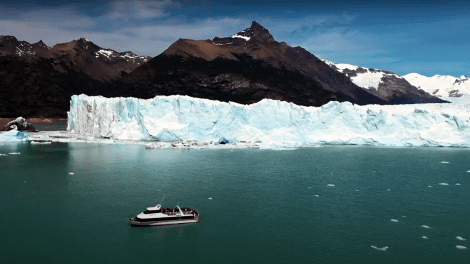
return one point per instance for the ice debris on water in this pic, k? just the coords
(381, 249)
(14, 153)
(457, 184)
(445, 162)
(424, 237)
(461, 247)
(460, 238)
(3, 155)
(71, 173)
(425, 226)
(210, 198)
(468, 171)
(388, 190)
(394, 220)
(330, 185)
(316, 195)
(430, 186)
(443, 183)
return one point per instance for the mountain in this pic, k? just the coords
(244, 68)
(386, 85)
(37, 80)
(446, 87)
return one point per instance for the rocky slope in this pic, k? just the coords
(244, 68)
(386, 85)
(37, 80)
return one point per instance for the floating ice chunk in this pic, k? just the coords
(445, 162)
(443, 183)
(14, 153)
(394, 220)
(403, 216)
(316, 195)
(330, 185)
(71, 173)
(210, 198)
(461, 247)
(468, 171)
(424, 237)
(425, 226)
(24, 181)
(460, 238)
(4, 155)
(309, 187)
(430, 186)
(457, 184)
(381, 249)
(388, 190)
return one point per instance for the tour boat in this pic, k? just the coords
(159, 216)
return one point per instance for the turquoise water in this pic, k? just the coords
(264, 207)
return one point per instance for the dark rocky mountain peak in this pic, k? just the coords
(7, 40)
(254, 33)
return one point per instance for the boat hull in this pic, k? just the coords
(163, 223)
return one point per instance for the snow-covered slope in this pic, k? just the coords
(447, 87)
(175, 118)
(384, 84)
(363, 77)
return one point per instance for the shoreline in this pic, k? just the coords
(48, 137)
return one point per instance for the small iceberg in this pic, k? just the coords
(443, 183)
(389, 190)
(71, 173)
(425, 226)
(210, 198)
(14, 153)
(316, 195)
(3, 155)
(394, 220)
(461, 247)
(424, 237)
(381, 249)
(460, 238)
(445, 162)
(457, 184)
(430, 186)
(330, 185)
(468, 171)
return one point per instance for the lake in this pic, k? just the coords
(331, 204)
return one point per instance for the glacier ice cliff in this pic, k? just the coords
(183, 118)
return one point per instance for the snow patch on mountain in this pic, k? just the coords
(183, 118)
(240, 36)
(444, 86)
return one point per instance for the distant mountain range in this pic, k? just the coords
(37, 80)
(384, 84)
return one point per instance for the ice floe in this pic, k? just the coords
(330, 185)
(460, 238)
(210, 198)
(424, 237)
(15, 153)
(461, 247)
(71, 173)
(443, 183)
(394, 220)
(445, 162)
(425, 226)
(457, 184)
(381, 249)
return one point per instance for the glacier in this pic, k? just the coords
(269, 122)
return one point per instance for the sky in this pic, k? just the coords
(427, 37)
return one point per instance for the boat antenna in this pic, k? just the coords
(162, 199)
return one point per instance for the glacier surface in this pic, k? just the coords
(182, 118)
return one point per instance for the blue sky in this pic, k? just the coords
(427, 37)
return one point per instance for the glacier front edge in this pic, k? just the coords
(183, 118)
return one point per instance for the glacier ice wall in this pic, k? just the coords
(175, 118)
